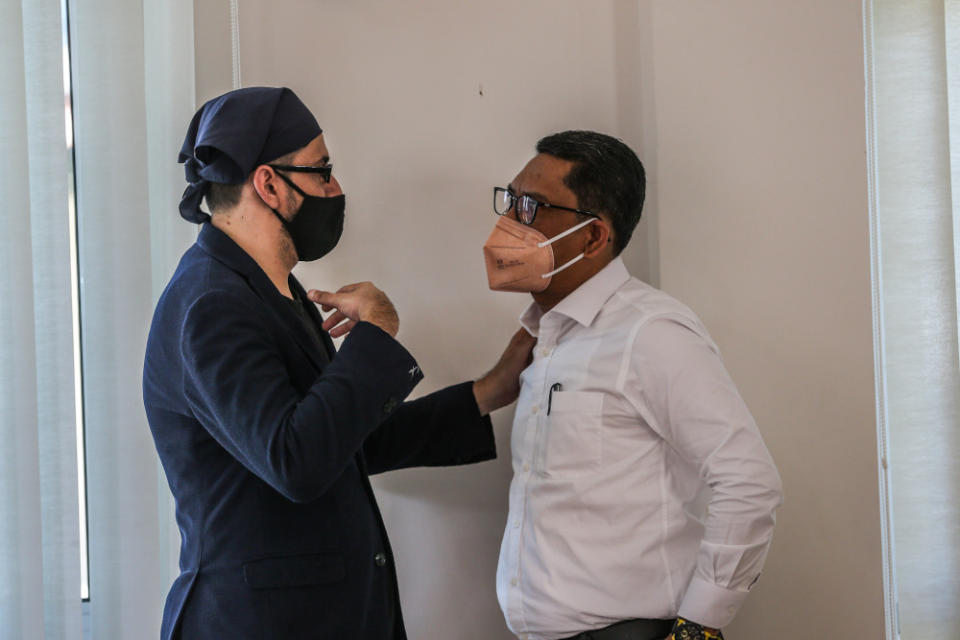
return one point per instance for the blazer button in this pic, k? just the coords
(390, 406)
(380, 559)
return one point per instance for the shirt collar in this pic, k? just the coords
(583, 303)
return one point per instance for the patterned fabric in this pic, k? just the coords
(687, 630)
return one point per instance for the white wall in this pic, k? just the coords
(749, 117)
(763, 229)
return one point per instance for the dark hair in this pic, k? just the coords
(606, 177)
(221, 197)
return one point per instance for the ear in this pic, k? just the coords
(265, 184)
(599, 238)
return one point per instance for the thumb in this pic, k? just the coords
(316, 294)
(325, 298)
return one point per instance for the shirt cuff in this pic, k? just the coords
(709, 605)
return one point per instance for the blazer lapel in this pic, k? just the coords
(315, 316)
(220, 246)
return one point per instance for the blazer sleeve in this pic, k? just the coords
(238, 387)
(440, 429)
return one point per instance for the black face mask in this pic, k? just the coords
(316, 226)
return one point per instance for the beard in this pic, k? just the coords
(287, 249)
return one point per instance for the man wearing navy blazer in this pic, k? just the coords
(268, 435)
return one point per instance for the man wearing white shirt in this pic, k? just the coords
(643, 497)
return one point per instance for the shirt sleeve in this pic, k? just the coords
(682, 389)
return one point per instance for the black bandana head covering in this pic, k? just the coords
(233, 134)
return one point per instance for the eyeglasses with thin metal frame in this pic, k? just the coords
(325, 171)
(526, 206)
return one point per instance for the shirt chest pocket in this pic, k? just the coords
(573, 433)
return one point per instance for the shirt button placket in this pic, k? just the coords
(538, 410)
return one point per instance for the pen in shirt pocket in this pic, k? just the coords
(555, 387)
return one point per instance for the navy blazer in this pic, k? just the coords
(267, 439)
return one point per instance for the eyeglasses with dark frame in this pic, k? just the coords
(526, 206)
(325, 171)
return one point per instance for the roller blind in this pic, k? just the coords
(913, 62)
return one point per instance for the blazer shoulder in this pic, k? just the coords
(200, 275)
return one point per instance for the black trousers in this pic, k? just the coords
(629, 630)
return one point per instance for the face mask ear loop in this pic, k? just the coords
(562, 267)
(565, 233)
(291, 183)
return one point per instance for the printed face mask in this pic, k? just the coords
(520, 258)
(317, 226)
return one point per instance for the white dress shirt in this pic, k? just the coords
(641, 486)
